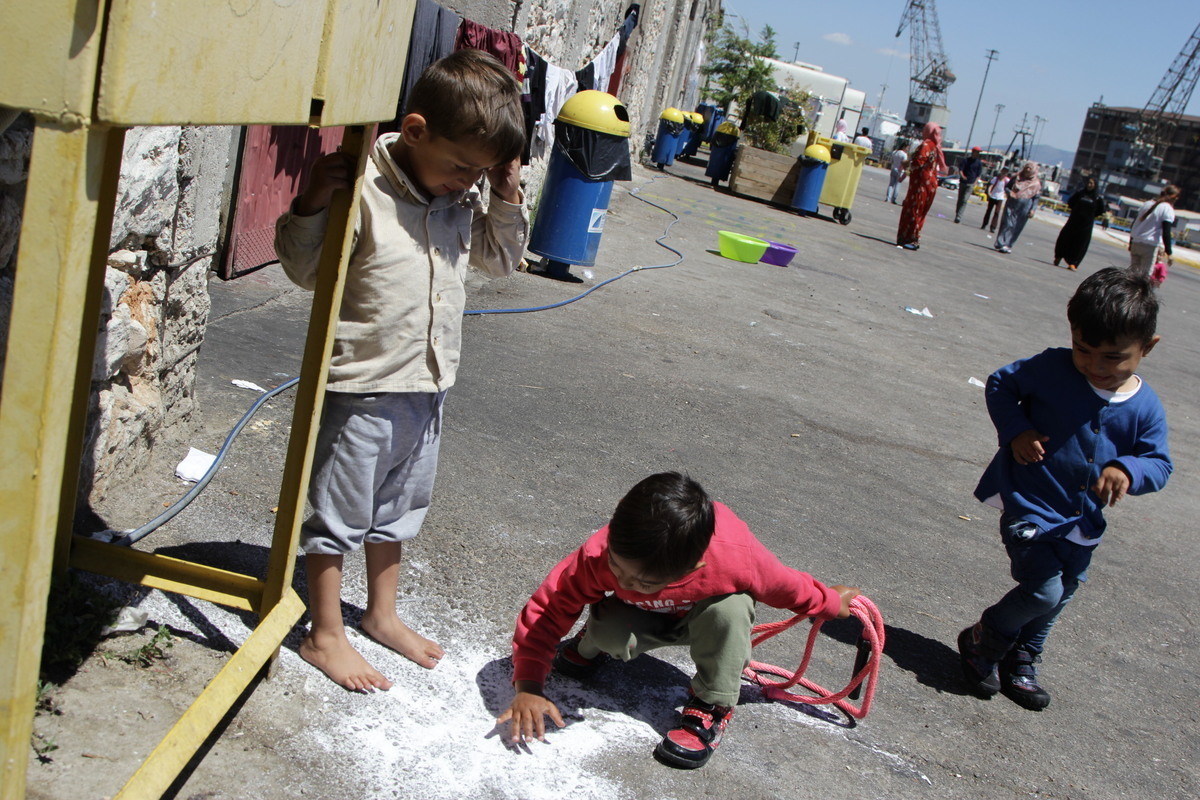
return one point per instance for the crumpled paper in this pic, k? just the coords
(194, 465)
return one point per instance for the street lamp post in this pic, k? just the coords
(991, 56)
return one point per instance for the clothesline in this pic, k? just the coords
(437, 31)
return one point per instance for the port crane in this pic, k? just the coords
(1160, 116)
(1152, 131)
(929, 75)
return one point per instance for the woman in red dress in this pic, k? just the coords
(923, 170)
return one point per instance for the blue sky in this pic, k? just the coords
(1055, 57)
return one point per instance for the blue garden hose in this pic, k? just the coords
(127, 538)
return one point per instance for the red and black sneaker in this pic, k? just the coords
(701, 726)
(569, 662)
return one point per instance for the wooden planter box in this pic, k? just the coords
(764, 175)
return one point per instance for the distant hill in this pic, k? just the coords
(1045, 154)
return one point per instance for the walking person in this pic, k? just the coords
(1022, 192)
(995, 199)
(923, 170)
(841, 131)
(1152, 229)
(1072, 245)
(968, 172)
(1079, 431)
(896, 176)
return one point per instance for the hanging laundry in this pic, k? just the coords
(620, 69)
(631, 21)
(533, 98)
(604, 72)
(606, 62)
(506, 47)
(434, 29)
(560, 85)
(764, 104)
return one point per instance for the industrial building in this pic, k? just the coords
(1105, 149)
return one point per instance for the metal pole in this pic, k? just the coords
(1036, 131)
(995, 122)
(991, 56)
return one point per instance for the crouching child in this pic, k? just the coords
(671, 567)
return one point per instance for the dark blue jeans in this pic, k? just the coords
(1047, 572)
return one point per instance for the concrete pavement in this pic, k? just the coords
(843, 428)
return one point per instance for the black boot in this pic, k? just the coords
(980, 652)
(1018, 679)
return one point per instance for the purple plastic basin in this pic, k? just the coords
(778, 254)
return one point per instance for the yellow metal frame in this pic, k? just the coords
(56, 312)
(71, 193)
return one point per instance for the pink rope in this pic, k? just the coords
(868, 673)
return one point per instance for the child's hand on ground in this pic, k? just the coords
(528, 711)
(505, 180)
(1027, 447)
(1112, 486)
(847, 594)
(330, 172)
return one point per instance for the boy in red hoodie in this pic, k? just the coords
(670, 568)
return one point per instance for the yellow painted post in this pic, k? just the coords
(89, 332)
(163, 765)
(322, 324)
(48, 56)
(167, 574)
(61, 248)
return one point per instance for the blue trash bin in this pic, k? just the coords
(591, 150)
(713, 116)
(721, 152)
(685, 137)
(695, 135)
(666, 142)
(813, 166)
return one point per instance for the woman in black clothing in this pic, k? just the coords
(1072, 245)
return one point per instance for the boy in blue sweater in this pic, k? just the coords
(1078, 431)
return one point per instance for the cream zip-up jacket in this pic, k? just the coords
(400, 324)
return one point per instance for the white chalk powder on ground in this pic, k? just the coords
(432, 734)
(434, 730)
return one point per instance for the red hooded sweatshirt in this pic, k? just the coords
(735, 561)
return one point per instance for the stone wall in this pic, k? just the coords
(155, 303)
(164, 237)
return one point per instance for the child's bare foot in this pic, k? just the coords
(345, 666)
(391, 632)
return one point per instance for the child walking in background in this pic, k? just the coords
(995, 199)
(421, 223)
(1152, 230)
(670, 568)
(1078, 431)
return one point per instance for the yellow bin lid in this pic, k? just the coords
(696, 117)
(729, 127)
(818, 151)
(596, 111)
(671, 114)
